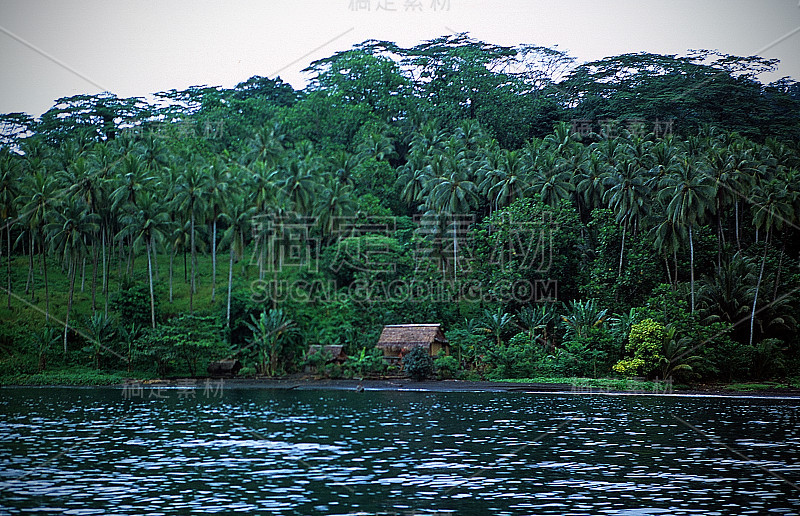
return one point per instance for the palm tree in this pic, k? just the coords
(535, 319)
(343, 163)
(190, 199)
(507, 181)
(239, 218)
(67, 233)
(549, 179)
(497, 323)
(9, 176)
(590, 181)
(99, 329)
(583, 316)
(451, 195)
(297, 183)
(689, 195)
(266, 145)
(270, 330)
(772, 208)
(38, 203)
(149, 226)
(334, 205)
(217, 181)
(627, 197)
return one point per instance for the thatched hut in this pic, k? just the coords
(337, 353)
(398, 339)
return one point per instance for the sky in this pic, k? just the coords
(53, 49)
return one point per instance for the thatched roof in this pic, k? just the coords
(410, 335)
(335, 351)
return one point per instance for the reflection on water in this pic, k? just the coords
(90, 451)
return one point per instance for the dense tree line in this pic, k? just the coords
(659, 195)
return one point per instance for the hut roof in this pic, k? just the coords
(411, 335)
(334, 350)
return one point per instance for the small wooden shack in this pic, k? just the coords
(398, 339)
(336, 352)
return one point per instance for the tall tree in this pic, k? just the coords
(67, 233)
(689, 196)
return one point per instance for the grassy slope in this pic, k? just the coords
(31, 313)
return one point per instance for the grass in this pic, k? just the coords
(30, 313)
(761, 386)
(613, 384)
(73, 376)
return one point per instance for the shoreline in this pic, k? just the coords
(408, 385)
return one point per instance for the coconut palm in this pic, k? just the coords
(190, 199)
(38, 202)
(334, 205)
(297, 182)
(239, 219)
(507, 181)
(627, 196)
(450, 195)
(266, 145)
(67, 233)
(549, 179)
(9, 177)
(772, 208)
(149, 226)
(689, 196)
(217, 181)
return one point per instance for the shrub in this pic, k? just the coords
(418, 363)
(366, 362)
(645, 343)
(446, 366)
(132, 303)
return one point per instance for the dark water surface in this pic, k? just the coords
(91, 451)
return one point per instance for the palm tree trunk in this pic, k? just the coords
(622, 248)
(94, 277)
(31, 266)
(150, 276)
(171, 262)
(46, 286)
(455, 253)
(73, 266)
(83, 274)
(691, 264)
(720, 238)
(736, 213)
(755, 298)
(154, 251)
(230, 284)
(105, 273)
(675, 261)
(8, 260)
(214, 261)
(669, 273)
(778, 274)
(191, 286)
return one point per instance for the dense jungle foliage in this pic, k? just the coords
(635, 216)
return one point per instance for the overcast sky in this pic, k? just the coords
(133, 48)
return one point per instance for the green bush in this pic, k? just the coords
(446, 366)
(366, 362)
(418, 363)
(132, 304)
(645, 344)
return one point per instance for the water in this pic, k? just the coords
(91, 451)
